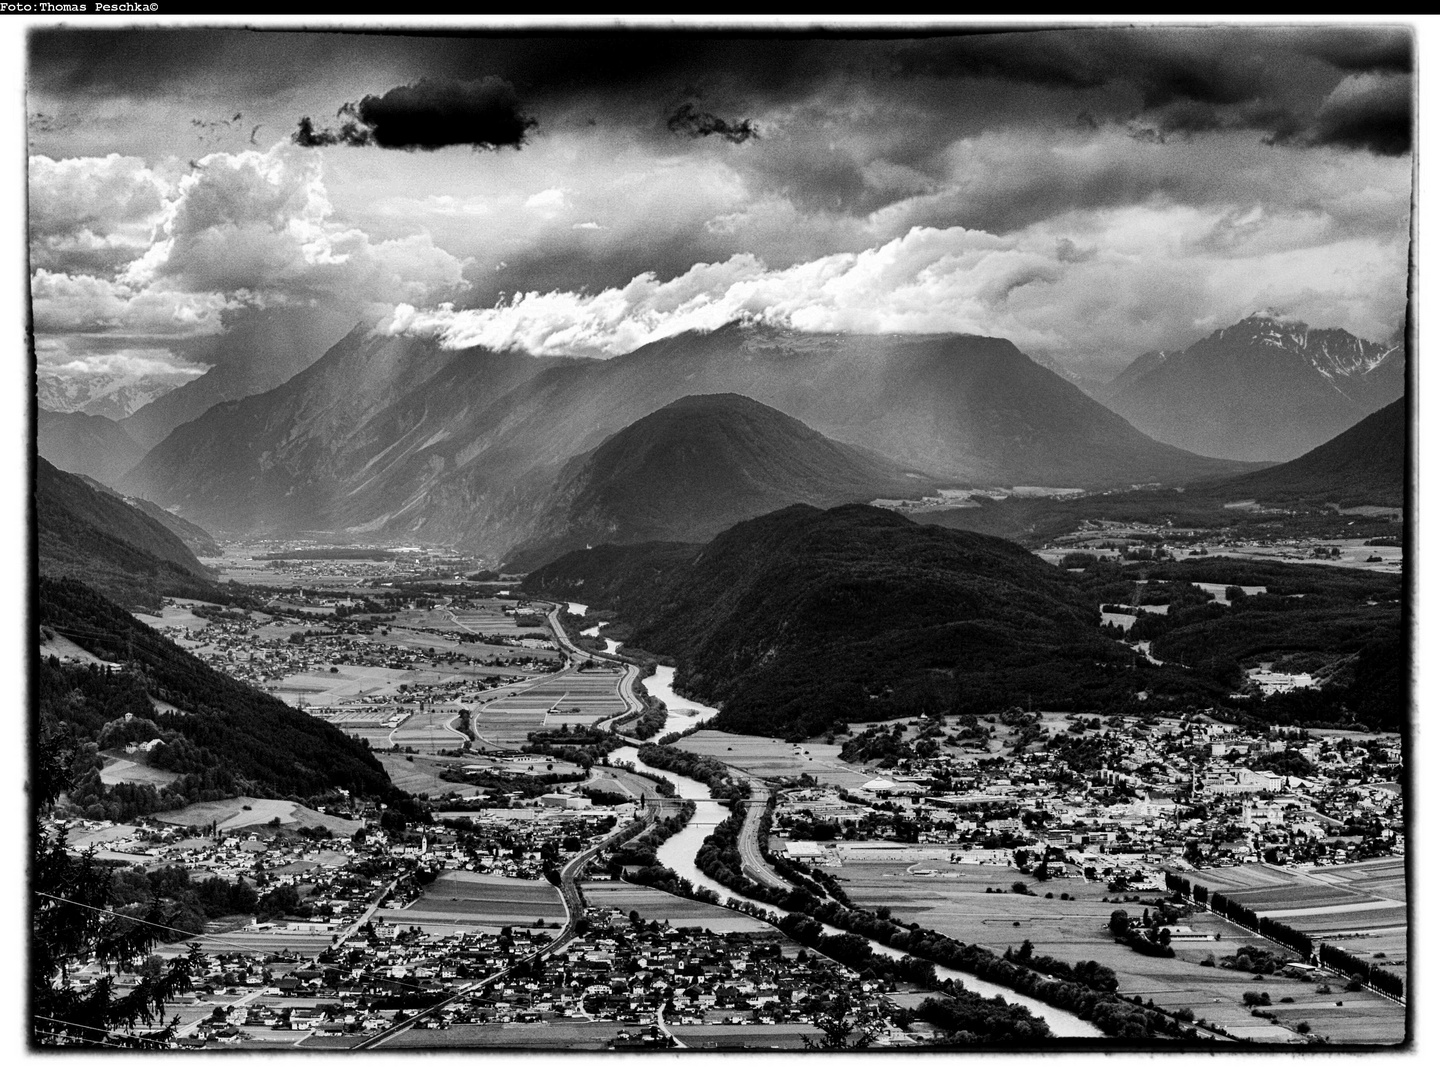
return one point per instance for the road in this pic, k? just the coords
(244, 999)
(369, 914)
(660, 1023)
(626, 686)
(752, 861)
(569, 895)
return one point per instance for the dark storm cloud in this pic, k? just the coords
(429, 115)
(1389, 50)
(1173, 79)
(1376, 116)
(687, 120)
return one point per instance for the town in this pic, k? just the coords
(511, 906)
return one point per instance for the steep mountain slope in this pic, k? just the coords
(475, 445)
(114, 548)
(1265, 389)
(188, 533)
(697, 466)
(258, 355)
(1363, 465)
(79, 443)
(804, 619)
(289, 459)
(191, 535)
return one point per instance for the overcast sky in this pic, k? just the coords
(1090, 193)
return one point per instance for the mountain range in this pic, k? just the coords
(395, 437)
(257, 355)
(111, 394)
(1266, 389)
(1362, 466)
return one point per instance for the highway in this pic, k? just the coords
(626, 686)
(752, 861)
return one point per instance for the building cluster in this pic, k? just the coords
(1116, 795)
(619, 968)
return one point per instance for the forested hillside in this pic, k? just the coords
(89, 534)
(804, 620)
(226, 738)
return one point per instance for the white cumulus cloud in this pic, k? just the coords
(1097, 288)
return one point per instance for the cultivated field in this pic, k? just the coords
(653, 904)
(430, 731)
(767, 758)
(422, 775)
(306, 939)
(118, 770)
(554, 1035)
(245, 813)
(1358, 907)
(460, 901)
(953, 900)
(745, 1036)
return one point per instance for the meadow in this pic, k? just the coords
(460, 901)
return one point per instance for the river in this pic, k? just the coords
(678, 853)
(682, 714)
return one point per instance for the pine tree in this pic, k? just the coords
(70, 924)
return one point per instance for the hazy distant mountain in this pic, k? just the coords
(1265, 389)
(94, 445)
(1093, 385)
(302, 456)
(256, 356)
(112, 394)
(804, 617)
(1364, 465)
(121, 552)
(465, 447)
(698, 466)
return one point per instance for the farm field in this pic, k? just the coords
(421, 776)
(767, 758)
(232, 814)
(507, 718)
(350, 682)
(1359, 907)
(460, 901)
(65, 649)
(554, 1035)
(177, 614)
(429, 731)
(1076, 930)
(483, 618)
(118, 770)
(308, 940)
(659, 906)
(502, 729)
(745, 1036)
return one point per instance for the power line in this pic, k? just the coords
(90, 1027)
(413, 987)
